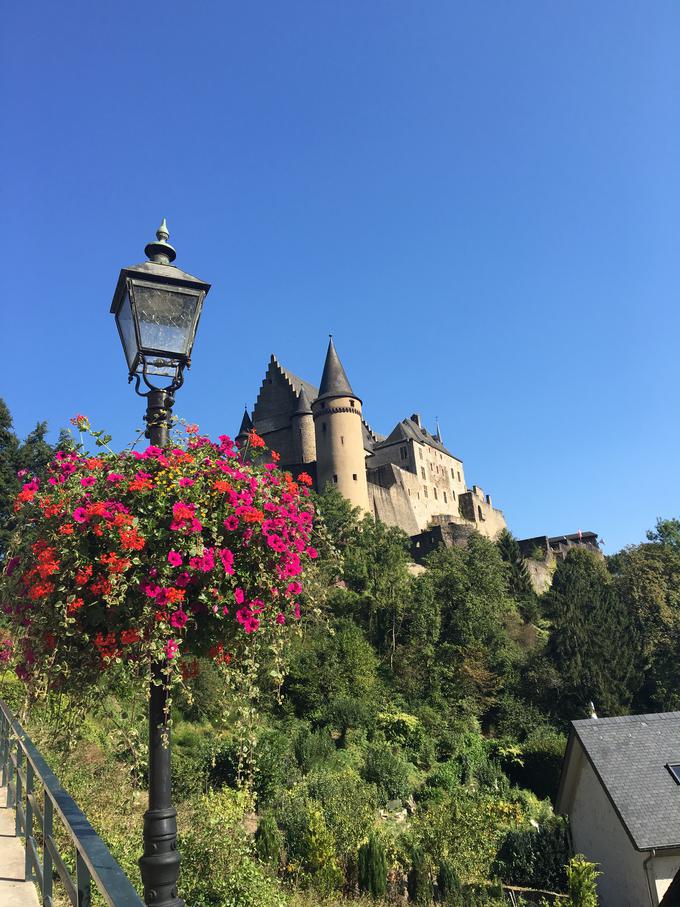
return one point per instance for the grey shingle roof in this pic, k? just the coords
(334, 380)
(407, 429)
(630, 755)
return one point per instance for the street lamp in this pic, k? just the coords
(157, 308)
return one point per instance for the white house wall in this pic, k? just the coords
(597, 833)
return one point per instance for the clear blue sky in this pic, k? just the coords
(480, 200)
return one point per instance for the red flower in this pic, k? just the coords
(304, 478)
(254, 439)
(128, 637)
(73, 605)
(83, 575)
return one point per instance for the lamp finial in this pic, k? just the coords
(161, 252)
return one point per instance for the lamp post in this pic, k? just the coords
(157, 308)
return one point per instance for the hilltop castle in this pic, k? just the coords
(406, 479)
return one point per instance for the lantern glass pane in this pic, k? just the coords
(166, 319)
(126, 326)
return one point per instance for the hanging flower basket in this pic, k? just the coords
(160, 555)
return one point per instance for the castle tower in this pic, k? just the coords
(302, 423)
(340, 456)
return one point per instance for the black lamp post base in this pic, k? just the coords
(160, 864)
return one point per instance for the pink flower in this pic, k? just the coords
(227, 558)
(80, 515)
(294, 588)
(185, 483)
(175, 559)
(88, 481)
(312, 552)
(178, 619)
(280, 618)
(183, 580)
(150, 589)
(239, 596)
(231, 522)
(114, 477)
(171, 648)
(297, 611)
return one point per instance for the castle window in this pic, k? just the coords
(403, 453)
(351, 402)
(445, 498)
(479, 511)
(335, 479)
(425, 490)
(342, 439)
(420, 451)
(354, 476)
(422, 472)
(435, 493)
(459, 475)
(453, 494)
(453, 474)
(409, 492)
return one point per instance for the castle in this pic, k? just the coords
(407, 479)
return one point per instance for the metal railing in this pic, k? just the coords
(22, 769)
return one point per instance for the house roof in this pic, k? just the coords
(630, 757)
(408, 429)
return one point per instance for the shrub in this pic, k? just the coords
(449, 890)
(542, 757)
(387, 770)
(535, 858)
(312, 748)
(269, 840)
(373, 867)
(419, 881)
(310, 845)
(218, 861)
(581, 882)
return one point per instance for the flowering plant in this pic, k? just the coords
(161, 555)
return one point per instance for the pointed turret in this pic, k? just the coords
(334, 381)
(302, 405)
(244, 430)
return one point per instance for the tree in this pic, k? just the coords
(9, 484)
(35, 453)
(519, 581)
(648, 579)
(457, 641)
(581, 882)
(594, 643)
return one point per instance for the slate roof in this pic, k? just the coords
(334, 380)
(298, 383)
(630, 755)
(408, 429)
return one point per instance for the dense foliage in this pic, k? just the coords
(418, 743)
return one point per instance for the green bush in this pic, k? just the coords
(388, 770)
(535, 858)
(419, 881)
(349, 806)
(269, 840)
(449, 889)
(373, 867)
(219, 868)
(312, 748)
(541, 766)
(310, 845)
(581, 882)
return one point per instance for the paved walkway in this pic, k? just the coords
(14, 892)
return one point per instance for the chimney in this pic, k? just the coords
(415, 417)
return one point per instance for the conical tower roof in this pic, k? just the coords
(334, 381)
(302, 407)
(246, 426)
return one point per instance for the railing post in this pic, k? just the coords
(18, 792)
(47, 856)
(11, 793)
(82, 881)
(28, 822)
(4, 741)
